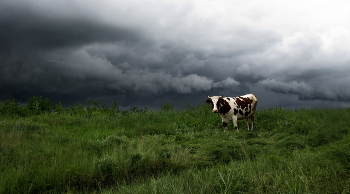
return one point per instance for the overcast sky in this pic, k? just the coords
(147, 52)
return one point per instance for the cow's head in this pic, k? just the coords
(214, 100)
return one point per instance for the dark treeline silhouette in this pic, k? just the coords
(38, 105)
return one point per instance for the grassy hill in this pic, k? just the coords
(100, 149)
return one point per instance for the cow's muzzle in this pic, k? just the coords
(215, 111)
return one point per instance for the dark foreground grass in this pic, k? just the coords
(301, 151)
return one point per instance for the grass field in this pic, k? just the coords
(104, 150)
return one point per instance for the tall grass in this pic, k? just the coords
(104, 150)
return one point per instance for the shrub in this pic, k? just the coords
(10, 108)
(37, 105)
(168, 106)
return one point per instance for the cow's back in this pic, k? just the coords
(243, 106)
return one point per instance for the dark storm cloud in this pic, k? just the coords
(147, 52)
(25, 29)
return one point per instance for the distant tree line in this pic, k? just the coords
(38, 105)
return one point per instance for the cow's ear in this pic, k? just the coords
(208, 101)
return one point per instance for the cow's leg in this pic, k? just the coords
(224, 125)
(247, 121)
(252, 121)
(234, 119)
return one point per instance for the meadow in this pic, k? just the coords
(45, 148)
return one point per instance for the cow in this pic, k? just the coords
(234, 108)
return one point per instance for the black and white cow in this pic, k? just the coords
(234, 108)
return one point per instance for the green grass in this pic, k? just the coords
(139, 151)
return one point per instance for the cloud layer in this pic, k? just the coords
(176, 50)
